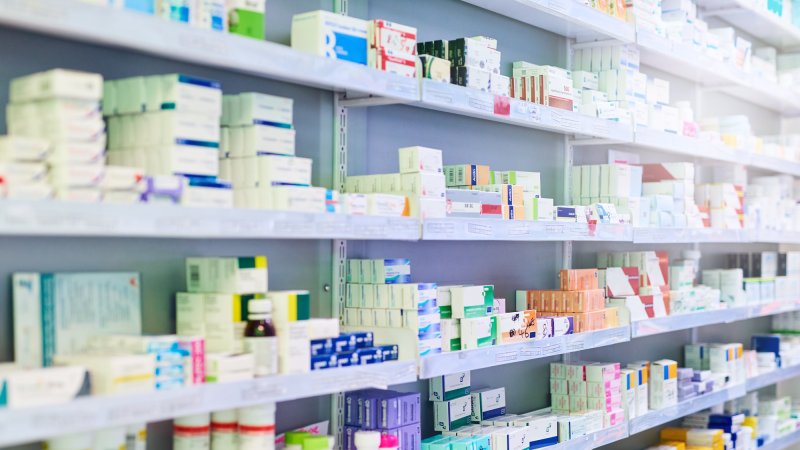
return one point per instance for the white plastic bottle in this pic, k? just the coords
(224, 430)
(192, 432)
(110, 439)
(367, 440)
(257, 427)
(136, 436)
(81, 441)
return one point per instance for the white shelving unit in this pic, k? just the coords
(355, 85)
(169, 221)
(465, 229)
(496, 355)
(563, 17)
(782, 442)
(154, 36)
(659, 417)
(93, 413)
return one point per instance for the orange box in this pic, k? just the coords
(578, 279)
(584, 301)
(612, 317)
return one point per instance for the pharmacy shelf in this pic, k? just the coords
(58, 218)
(497, 355)
(454, 99)
(19, 426)
(563, 17)
(686, 235)
(756, 21)
(776, 165)
(154, 36)
(466, 229)
(597, 439)
(659, 417)
(687, 321)
(782, 442)
(770, 378)
(696, 319)
(774, 237)
(684, 61)
(694, 147)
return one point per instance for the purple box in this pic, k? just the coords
(348, 437)
(368, 406)
(399, 409)
(351, 406)
(408, 437)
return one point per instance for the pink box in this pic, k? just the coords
(597, 372)
(614, 417)
(194, 349)
(599, 389)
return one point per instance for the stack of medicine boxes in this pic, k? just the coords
(382, 299)
(476, 65)
(592, 387)
(546, 85)
(725, 361)
(652, 299)
(663, 384)
(392, 47)
(257, 155)
(420, 179)
(621, 88)
(391, 413)
(215, 308)
(577, 307)
(670, 189)
(724, 203)
(169, 125)
(467, 319)
(62, 107)
(641, 376)
(23, 174)
(509, 193)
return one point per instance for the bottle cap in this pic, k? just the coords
(259, 306)
(364, 440)
(389, 441)
(316, 443)
(296, 437)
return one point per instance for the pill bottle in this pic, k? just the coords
(110, 439)
(257, 427)
(294, 439)
(367, 440)
(224, 430)
(389, 442)
(260, 338)
(136, 436)
(192, 432)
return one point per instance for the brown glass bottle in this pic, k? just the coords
(260, 338)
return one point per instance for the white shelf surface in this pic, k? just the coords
(683, 145)
(659, 417)
(58, 218)
(686, 321)
(774, 377)
(466, 229)
(563, 17)
(685, 235)
(782, 442)
(484, 105)
(496, 355)
(686, 62)
(598, 439)
(92, 413)
(152, 35)
(758, 22)
(774, 237)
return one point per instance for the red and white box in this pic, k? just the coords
(621, 281)
(397, 38)
(614, 417)
(397, 63)
(668, 171)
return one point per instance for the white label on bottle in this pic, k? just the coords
(257, 441)
(265, 353)
(224, 440)
(191, 442)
